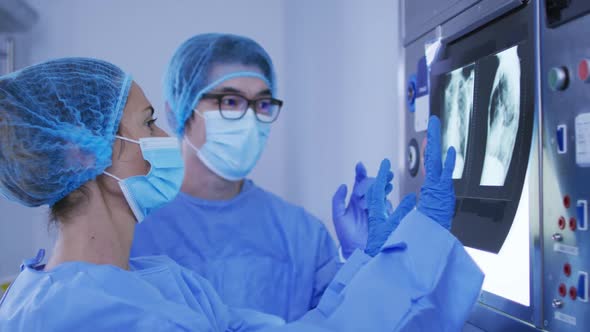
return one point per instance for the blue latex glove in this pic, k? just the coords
(381, 224)
(437, 196)
(350, 221)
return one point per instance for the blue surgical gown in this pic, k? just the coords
(422, 280)
(257, 250)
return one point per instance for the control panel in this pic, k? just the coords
(565, 92)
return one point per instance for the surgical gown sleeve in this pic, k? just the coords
(422, 280)
(326, 266)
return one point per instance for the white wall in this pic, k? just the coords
(341, 95)
(141, 35)
(336, 62)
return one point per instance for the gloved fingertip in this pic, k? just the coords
(449, 166)
(390, 176)
(341, 191)
(340, 194)
(433, 122)
(384, 170)
(433, 135)
(361, 171)
(338, 204)
(388, 189)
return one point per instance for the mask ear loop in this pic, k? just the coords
(124, 139)
(186, 138)
(200, 114)
(127, 139)
(111, 175)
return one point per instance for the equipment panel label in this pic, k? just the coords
(564, 248)
(565, 318)
(583, 140)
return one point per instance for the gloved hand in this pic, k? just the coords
(437, 195)
(380, 223)
(350, 221)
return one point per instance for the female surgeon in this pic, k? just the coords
(257, 250)
(78, 135)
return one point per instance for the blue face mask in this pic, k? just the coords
(232, 147)
(145, 193)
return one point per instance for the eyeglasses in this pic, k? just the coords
(234, 107)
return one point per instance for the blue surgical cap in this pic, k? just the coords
(189, 74)
(57, 125)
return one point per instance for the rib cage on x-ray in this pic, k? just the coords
(503, 118)
(458, 106)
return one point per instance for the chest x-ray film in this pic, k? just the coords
(457, 110)
(503, 114)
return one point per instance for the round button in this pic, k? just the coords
(573, 293)
(567, 201)
(567, 269)
(584, 70)
(558, 78)
(573, 223)
(562, 290)
(561, 222)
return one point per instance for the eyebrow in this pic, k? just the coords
(229, 89)
(265, 92)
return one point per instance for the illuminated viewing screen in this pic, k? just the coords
(507, 273)
(457, 109)
(487, 119)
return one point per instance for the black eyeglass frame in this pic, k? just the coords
(249, 103)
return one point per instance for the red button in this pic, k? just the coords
(567, 201)
(573, 293)
(567, 269)
(573, 223)
(584, 70)
(561, 222)
(562, 290)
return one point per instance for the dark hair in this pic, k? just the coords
(61, 211)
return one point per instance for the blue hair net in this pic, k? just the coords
(57, 125)
(189, 73)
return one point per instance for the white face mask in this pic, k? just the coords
(145, 193)
(232, 147)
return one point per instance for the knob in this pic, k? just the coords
(557, 237)
(558, 78)
(557, 303)
(413, 157)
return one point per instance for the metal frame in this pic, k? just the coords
(461, 17)
(494, 312)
